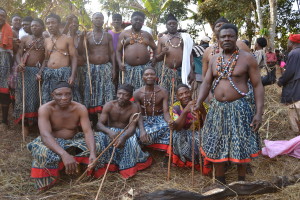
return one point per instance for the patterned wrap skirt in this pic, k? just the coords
(47, 164)
(52, 76)
(103, 89)
(158, 132)
(128, 160)
(32, 100)
(5, 67)
(81, 75)
(227, 135)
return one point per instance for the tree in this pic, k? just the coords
(273, 16)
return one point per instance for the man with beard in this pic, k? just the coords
(60, 54)
(129, 157)
(134, 43)
(235, 115)
(60, 144)
(6, 46)
(29, 58)
(102, 63)
(153, 103)
(174, 49)
(26, 24)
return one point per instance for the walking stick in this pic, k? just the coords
(23, 114)
(133, 118)
(199, 128)
(123, 62)
(100, 187)
(193, 152)
(87, 59)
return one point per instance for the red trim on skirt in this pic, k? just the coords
(96, 109)
(4, 90)
(160, 147)
(27, 115)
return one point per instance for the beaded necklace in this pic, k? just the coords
(177, 35)
(149, 102)
(216, 49)
(97, 43)
(38, 44)
(226, 68)
(136, 37)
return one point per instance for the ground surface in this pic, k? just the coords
(15, 162)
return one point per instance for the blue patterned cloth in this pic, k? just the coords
(227, 135)
(81, 76)
(5, 67)
(134, 75)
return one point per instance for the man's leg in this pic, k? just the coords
(220, 172)
(5, 101)
(241, 168)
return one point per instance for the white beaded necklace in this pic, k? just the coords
(98, 43)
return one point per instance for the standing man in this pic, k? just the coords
(290, 82)
(174, 49)
(29, 58)
(153, 103)
(6, 47)
(102, 63)
(129, 157)
(16, 25)
(116, 30)
(270, 78)
(26, 24)
(60, 54)
(230, 129)
(136, 55)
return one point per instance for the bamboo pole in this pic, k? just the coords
(23, 101)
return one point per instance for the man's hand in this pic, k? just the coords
(171, 124)
(70, 163)
(38, 77)
(144, 137)
(92, 158)
(120, 142)
(164, 50)
(112, 135)
(21, 67)
(71, 80)
(256, 122)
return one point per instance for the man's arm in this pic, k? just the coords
(45, 61)
(50, 142)
(288, 74)
(112, 57)
(180, 122)
(258, 88)
(73, 53)
(153, 47)
(119, 51)
(242, 46)
(143, 135)
(104, 119)
(205, 61)
(167, 116)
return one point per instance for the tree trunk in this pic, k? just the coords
(273, 17)
(259, 15)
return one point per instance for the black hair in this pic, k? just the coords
(262, 42)
(97, 13)
(137, 13)
(3, 10)
(221, 19)
(27, 19)
(149, 67)
(116, 15)
(246, 42)
(60, 84)
(229, 26)
(127, 87)
(39, 21)
(52, 15)
(171, 17)
(180, 86)
(15, 15)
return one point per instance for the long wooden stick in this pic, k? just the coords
(23, 114)
(163, 71)
(193, 152)
(133, 118)
(100, 187)
(123, 62)
(200, 156)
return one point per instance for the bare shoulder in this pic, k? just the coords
(241, 45)
(247, 55)
(161, 89)
(46, 108)
(145, 33)
(67, 38)
(207, 51)
(109, 104)
(137, 94)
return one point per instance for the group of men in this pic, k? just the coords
(59, 70)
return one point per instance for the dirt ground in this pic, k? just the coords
(15, 163)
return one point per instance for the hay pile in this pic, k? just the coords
(15, 162)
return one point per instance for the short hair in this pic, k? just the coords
(246, 42)
(27, 19)
(137, 13)
(97, 13)
(149, 67)
(221, 19)
(52, 15)
(229, 26)
(262, 42)
(3, 10)
(60, 84)
(39, 21)
(180, 86)
(171, 17)
(116, 15)
(127, 87)
(15, 15)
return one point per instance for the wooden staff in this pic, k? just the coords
(87, 59)
(193, 152)
(133, 118)
(199, 128)
(23, 114)
(123, 62)
(100, 187)
(162, 71)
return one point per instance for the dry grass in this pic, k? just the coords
(15, 162)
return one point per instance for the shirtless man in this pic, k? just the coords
(153, 102)
(58, 124)
(170, 49)
(102, 63)
(135, 43)
(230, 129)
(29, 58)
(60, 54)
(114, 118)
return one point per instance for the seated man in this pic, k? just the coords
(129, 157)
(153, 102)
(58, 122)
(185, 121)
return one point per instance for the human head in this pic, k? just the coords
(171, 24)
(183, 94)
(149, 76)
(37, 27)
(98, 20)
(74, 24)
(16, 22)
(260, 43)
(246, 42)
(62, 94)
(53, 22)
(3, 16)
(218, 24)
(124, 94)
(228, 36)
(137, 20)
(26, 24)
(117, 21)
(294, 40)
